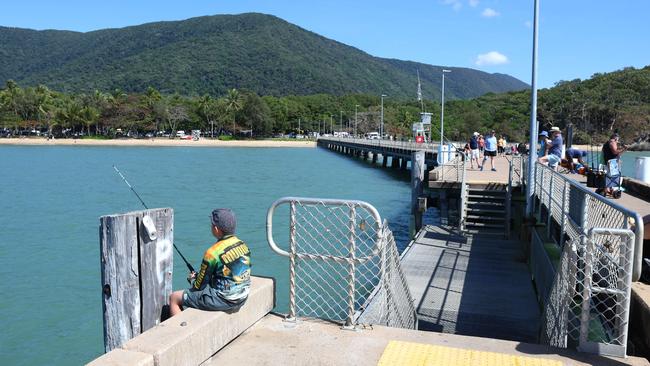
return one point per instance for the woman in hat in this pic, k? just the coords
(554, 155)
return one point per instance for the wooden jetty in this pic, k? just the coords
(481, 283)
(471, 285)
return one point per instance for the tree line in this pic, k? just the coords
(606, 103)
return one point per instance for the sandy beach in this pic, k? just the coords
(158, 142)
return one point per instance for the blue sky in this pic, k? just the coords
(577, 37)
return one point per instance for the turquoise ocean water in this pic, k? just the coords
(51, 199)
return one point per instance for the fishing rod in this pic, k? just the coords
(189, 266)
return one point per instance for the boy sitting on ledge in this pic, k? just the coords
(223, 282)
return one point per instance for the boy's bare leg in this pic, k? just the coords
(176, 302)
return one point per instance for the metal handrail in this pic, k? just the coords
(314, 201)
(463, 196)
(509, 198)
(384, 143)
(549, 201)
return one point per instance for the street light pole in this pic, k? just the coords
(442, 112)
(355, 119)
(532, 142)
(341, 121)
(332, 124)
(381, 126)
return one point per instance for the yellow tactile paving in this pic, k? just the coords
(418, 354)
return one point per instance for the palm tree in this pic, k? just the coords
(234, 102)
(88, 115)
(69, 115)
(43, 106)
(11, 99)
(152, 98)
(205, 106)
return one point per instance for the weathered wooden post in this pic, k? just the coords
(417, 188)
(137, 261)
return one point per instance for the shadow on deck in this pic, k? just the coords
(476, 285)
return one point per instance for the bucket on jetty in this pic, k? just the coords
(642, 169)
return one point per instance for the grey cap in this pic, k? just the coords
(224, 219)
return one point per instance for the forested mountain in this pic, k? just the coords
(213, 54)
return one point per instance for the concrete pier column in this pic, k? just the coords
(374, 158)
(417, 186)
(403, 163)
(394, 162)
(384, 160)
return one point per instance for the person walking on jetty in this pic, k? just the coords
(490, 150)
(223, 282)
(554, 151)
(474, 152)
(481, 145)
(501, 146)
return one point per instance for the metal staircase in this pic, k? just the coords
(485, 211)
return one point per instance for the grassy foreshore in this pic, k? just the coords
(157, 142)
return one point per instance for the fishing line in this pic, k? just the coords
(189, 266)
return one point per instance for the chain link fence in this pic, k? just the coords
(588, 307)
(588, 304)
(517, 170)
(343, 263)
(452, 170)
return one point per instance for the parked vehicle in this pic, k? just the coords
(373, 136)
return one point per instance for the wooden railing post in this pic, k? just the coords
(136, 272)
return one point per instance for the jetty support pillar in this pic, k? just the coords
(136, 255)
(418, 201)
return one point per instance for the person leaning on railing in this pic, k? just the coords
(554, 155)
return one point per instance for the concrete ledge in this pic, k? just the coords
(640, 317)
(194, 336)
(119, 357)
(273, 341)
(636, 187)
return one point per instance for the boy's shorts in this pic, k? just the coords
(475, 154)
(208, 299)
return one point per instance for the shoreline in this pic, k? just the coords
(158, 142)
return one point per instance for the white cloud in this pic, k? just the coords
(489, 13)
(528, 24)
(473, 3)
(491, 58)
(455, 4)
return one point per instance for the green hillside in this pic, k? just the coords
(617, 101)
(212, 54)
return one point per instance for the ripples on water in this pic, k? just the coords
(52, 198)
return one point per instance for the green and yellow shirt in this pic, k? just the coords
(226, 267)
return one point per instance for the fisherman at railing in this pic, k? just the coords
(223, 282)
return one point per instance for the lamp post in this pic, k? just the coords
(355, 119)
(381, 125)
(442, 113)
(341, 121)
(332, 124)
(532, 142)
